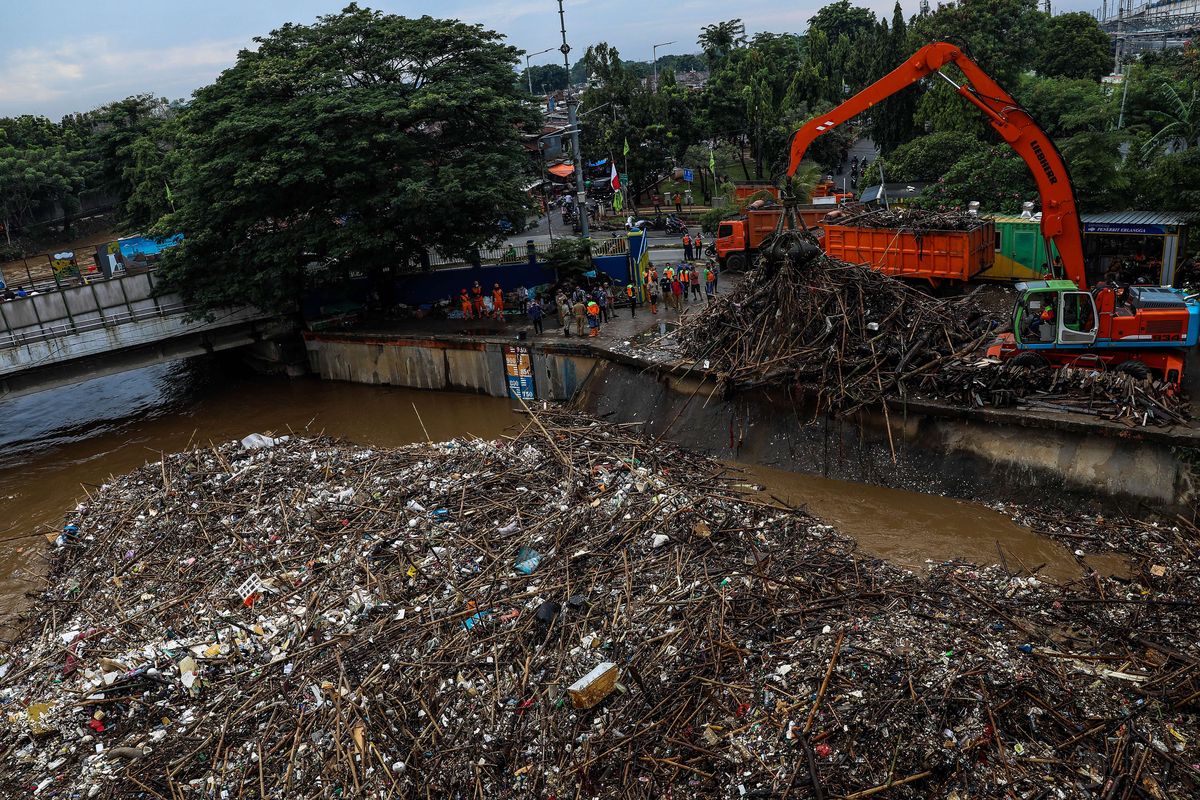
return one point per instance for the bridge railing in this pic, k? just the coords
(11, 339)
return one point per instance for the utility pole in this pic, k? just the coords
(572, 122)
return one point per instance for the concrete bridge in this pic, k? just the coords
(66, 335)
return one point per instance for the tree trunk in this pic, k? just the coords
(742, 157)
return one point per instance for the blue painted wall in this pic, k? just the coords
(445, 284)
(430, 287)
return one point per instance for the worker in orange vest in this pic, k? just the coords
(465, 301)
(593, 317)
(685, 276)
(687, 246)
(498, 300)
(631, 293)
(477, 299)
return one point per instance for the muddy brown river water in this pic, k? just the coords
(54, 443)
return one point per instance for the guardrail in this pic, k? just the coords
(10, 340)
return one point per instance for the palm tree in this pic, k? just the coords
(1180, 118)
(719, 39)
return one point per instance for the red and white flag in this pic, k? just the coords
(615, 180)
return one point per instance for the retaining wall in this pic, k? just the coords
(997, 458)
(466, 365)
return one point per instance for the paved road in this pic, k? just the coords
(540, 234)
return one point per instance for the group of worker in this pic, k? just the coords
(475, 304)
(590, 308)
(680, 283)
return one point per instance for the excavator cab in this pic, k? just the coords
(1054, 313)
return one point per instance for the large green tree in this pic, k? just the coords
(840, 18)
(996, 177)
(892, 120)
(42, 166)
(362, 140)
(1075, 47)
(720, 39)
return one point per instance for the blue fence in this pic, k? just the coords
(616, 267)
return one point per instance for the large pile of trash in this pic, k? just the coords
(915, 219)
(571, 611)
(852, 337)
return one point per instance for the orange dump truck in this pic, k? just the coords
(737, 240)
(932, 255)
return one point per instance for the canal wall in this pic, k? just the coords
(979, 455)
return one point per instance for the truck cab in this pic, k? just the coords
(730, 245)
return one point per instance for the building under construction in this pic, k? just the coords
(1137, 26)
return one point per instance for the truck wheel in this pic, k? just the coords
(736, 263)
(1135, 369)
(1029, 359)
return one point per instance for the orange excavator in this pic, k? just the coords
(1142, 330)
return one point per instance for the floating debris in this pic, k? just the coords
(291, 622)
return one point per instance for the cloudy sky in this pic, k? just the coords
(61, 56)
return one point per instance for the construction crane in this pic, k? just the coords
(1142, 330)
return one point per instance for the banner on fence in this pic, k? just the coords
(518, 369)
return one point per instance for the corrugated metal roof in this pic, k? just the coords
(1140, 217)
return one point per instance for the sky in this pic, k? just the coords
(64, 56)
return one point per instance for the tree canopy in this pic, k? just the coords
(360, 140)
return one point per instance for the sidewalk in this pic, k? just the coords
(620, 327)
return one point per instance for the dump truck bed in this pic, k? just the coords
(936, 256)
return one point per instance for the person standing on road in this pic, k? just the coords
(579, 310)
(464, 300)
(710, 282)
(676, 293)
(655, 294)
(631, 293)
(687, 246)
(696, 284)
(678, 203)
(685, 277)
(698, 246)
(523, 298)
(601, 298)
(535, 316)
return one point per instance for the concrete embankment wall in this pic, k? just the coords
(966, 458)
(996, 456)
(452, 364)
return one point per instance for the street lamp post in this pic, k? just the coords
(654, 52)
(528, 74)
(572, 104)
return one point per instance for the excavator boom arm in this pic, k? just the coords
(1060, 220)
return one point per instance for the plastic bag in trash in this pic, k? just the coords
(256, 441)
